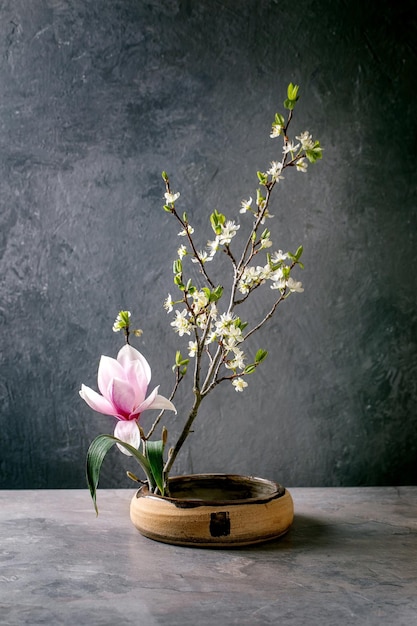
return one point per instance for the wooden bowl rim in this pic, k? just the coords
(275, 490)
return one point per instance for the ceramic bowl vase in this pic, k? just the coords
(214, 510)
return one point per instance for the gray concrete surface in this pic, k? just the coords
(349, 559)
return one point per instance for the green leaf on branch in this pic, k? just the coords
(95, 457)
(292, 96)
(296, 257)
(315, 153)
(190, 287)
(213, 296)
(178, 358)
(259, 198)
(177, 266)
(122, 321)
(292, 92)
(288, 104)
(286, 272)
(180, 362)
(279, 119)
(216, 294)
(178, 282)
(217, 220)
(260, 355)
(262, 177)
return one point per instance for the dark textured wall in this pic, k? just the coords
(96, 99)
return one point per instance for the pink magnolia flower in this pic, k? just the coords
(123, 383)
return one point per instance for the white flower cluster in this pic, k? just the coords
(306, 140)
(276, 271)
(219, 337)
(275, 171)
(224, 330)
(246, 205)
(198, 314)
(224, 238)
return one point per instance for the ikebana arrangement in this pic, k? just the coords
(205, 315)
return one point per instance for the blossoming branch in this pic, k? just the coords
(205, 313)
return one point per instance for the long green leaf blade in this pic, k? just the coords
(155, 455)
(95, 457)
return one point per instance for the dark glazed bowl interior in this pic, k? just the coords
(214, 488)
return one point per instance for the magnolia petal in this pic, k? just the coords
(143, 406)
(96, 401)
(137, 378)
(155, 401)
(122, 396)
(107, 370)
(128, 354)
(161, 402)
(129, 433)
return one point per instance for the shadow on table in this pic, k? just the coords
(305, 531)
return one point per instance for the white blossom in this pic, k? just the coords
(301, 165)
(294, 285)
(290, 147)
(238, 361)
(265, 243)
(228, 326)
(181, 324)
(264, 272)
(182, 251)
(213, 246)
(229, 230)
(200, 301)
(251, 276)
(243, 287)
(275, 171)
(239, 384)
(276, 130)
(211, 336)
(278, 279)
(265, 216)
(213, 311)
(224, 322)
(278, 284)
(202, 257)
(306, 139)
(192, 348)
(187, 229)
(229, 344)
(234, 332)
(246, 205)
(279, 256)
(171, 197)
(168, 304)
